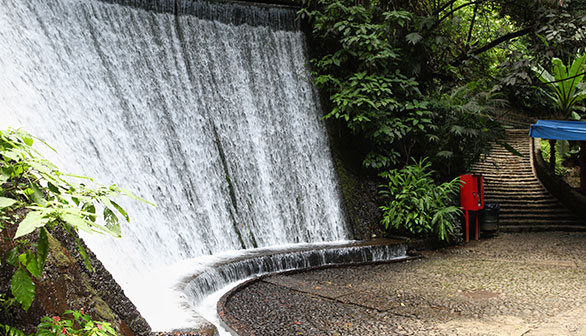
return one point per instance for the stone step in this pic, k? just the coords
(525, 221)
(533, 207)
(538, 218)
(525, 205)
(522, 204)
(492, 162)
(526, 173)
(542, 228)
(523, 187)
(503, 199)
(518, 198)
(511, 185)
(522, 178)
(511, 210)
(519, 194)
(498, 156)
(502, 170)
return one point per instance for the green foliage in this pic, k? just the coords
(561, 155)
(22, 288)
(79, 325)
(558, 30)
(6, 330)
(465, 128)
(374, 62)
(36, 197)
(361, 71)
(566, 83)
(414, 203)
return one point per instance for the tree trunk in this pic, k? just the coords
(583, 166)
(552, 156)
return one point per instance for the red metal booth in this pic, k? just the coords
(471, 199)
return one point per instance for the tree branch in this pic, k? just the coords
(471, 27)
(443, 7)
(491, 45)
(440, 20)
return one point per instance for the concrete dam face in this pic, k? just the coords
(205, 109)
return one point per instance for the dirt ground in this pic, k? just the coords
(513, 284)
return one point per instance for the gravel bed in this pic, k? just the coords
(513, 284)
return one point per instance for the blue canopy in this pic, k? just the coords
(559, 130)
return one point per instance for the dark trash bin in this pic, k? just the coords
(489, 218)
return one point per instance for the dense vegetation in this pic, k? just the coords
(427, 79)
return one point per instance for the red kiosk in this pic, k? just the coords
(471, 199)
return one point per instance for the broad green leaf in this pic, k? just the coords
(83, 253)
(90, 209)
(543, 75)
(12, 256)
(11, 155)
(111, 221)
(76, 222)
(37, 195)
(32, 221)
(29, 260)
(445, 154)
(543, 40)
(53, 188)
(121, 211)
(42, 249)
(28, 140)
(577, 67)
(10, 331)
(106, 201)
(22, 288)
(413, 38)
(510, 149)
(6, 202)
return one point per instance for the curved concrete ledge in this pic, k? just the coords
(226, 319)
(213, 273)
(572, 199)
(280, 14)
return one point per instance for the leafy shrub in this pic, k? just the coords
(360, 68)
(466, 128)
(566, 83)
(80, 325)
(560, 155)
(415, 203)
(35, 197)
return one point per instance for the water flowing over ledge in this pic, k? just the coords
(280, 17)
(214, 120)
(206, 275)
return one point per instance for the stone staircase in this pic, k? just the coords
(525, 205)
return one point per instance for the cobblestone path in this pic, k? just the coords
(513, 284)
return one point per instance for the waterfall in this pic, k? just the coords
(205, 109)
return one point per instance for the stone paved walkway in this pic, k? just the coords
(514, 284)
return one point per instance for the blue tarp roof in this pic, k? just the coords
(559, 130)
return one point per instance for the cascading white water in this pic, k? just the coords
(216, 123)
